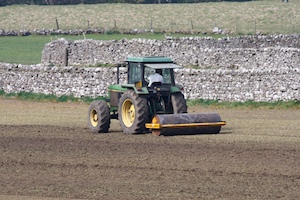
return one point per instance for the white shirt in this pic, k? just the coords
(155, 78)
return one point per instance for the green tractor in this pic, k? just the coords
(136, 103)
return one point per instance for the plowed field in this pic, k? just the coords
(47, 152)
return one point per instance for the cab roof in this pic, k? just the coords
(154, 59)
(163, 66)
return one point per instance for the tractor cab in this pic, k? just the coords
(155, 75)
(141, 68)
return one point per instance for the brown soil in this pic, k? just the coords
(47, 152)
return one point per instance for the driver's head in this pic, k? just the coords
(159, 71)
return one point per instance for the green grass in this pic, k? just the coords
(21, 50)
(28, 96)
(246, 104)
(28, 49)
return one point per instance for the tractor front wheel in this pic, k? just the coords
(133, 112)
(99, 117)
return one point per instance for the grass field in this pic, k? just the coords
(265, 16)
(28, 50)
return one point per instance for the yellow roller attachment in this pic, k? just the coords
(196, 123)
(160, 126)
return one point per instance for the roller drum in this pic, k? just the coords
(188, 120)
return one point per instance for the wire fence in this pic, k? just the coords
(266, 17)
(235, 26)
(208, 26)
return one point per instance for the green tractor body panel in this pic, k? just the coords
(124, 87)
(175, 89)
(142, 90)
(116, 88)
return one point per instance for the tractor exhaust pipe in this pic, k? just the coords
(118, 73)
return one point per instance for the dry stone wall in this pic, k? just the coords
(265, 68)
(221, 84)
(206, 53)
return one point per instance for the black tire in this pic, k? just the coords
(133, 112)
(99, 117)
(178, 103)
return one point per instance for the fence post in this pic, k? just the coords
(236, 26)
(151, 24)
(192, 26)
(57, 26)
(115, 23)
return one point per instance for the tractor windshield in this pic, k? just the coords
(166, 73)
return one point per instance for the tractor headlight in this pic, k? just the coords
(139, 85)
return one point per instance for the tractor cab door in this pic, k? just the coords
(135, 73)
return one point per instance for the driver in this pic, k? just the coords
(156, 77)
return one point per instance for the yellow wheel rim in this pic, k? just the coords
(94, 118)
(128, 113)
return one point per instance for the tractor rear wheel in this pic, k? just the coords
(178, 103)
(133, 112)
(99, 117)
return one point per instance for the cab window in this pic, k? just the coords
(166, 73)
(167, 76)
(134, 75)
